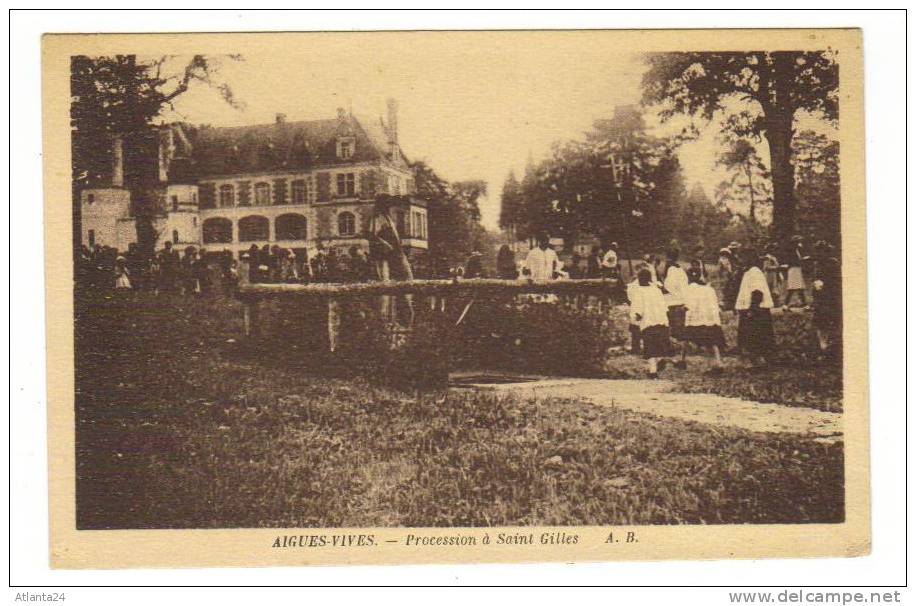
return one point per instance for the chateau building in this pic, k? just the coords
(299, 185)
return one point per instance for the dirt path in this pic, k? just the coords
(659, 398)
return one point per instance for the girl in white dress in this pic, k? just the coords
(703, 326)
(649, 310)
(795, 280)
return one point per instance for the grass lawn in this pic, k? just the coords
(177, 427)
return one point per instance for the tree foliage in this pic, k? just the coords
(454, 218)
(620, 183)
(758, 94)
(817, 174)
(510, 202)
(120, 96)
(748, 186)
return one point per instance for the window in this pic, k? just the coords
(346, 184)
(395, 185)
(345, 147)
(91, 236)
(254, 228)
(175, 239)
(291, 227)
(194, 221)
(193, 197)
(300, 192)
(226, 196)
(418, 225)
(262, 194)
(90, 198)
(174, 203)
(346, 224)
(217, 231)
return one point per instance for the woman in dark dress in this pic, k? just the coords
(828, 302)
(755, 323)
(505, 263)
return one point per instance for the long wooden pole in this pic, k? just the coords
(424, 287)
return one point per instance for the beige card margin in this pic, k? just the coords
(70, 548)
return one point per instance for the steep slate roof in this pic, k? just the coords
(281, 146)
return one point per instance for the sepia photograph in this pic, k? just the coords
(453, 285)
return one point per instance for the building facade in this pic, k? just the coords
(300, 185)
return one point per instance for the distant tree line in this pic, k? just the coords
(621, 183)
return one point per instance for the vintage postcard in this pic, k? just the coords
(455, 297)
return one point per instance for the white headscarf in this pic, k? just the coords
(753, 279)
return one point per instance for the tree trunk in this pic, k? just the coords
(779, 132)
(144, 209)
(779, 136)
(752, 211)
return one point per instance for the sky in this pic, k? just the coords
(471, 105)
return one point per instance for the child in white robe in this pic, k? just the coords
(649, 310)
(675, 285)
(703, 325)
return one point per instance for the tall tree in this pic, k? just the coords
(510, 202)
(620, 183)
(749, 180)
(467, 195)
(817, 161)
(454, 217)
(119, 97)
(758, 93)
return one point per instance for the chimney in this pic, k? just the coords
(392, 121)
(281, 118)
(117, 162)
(166, 149)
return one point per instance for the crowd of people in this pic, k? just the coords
(672, 300)
(543, 262)
(273, 264)
(668, 300)
(669, 303)
(192, 270)
(198, 271)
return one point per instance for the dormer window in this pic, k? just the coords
(345, 147)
